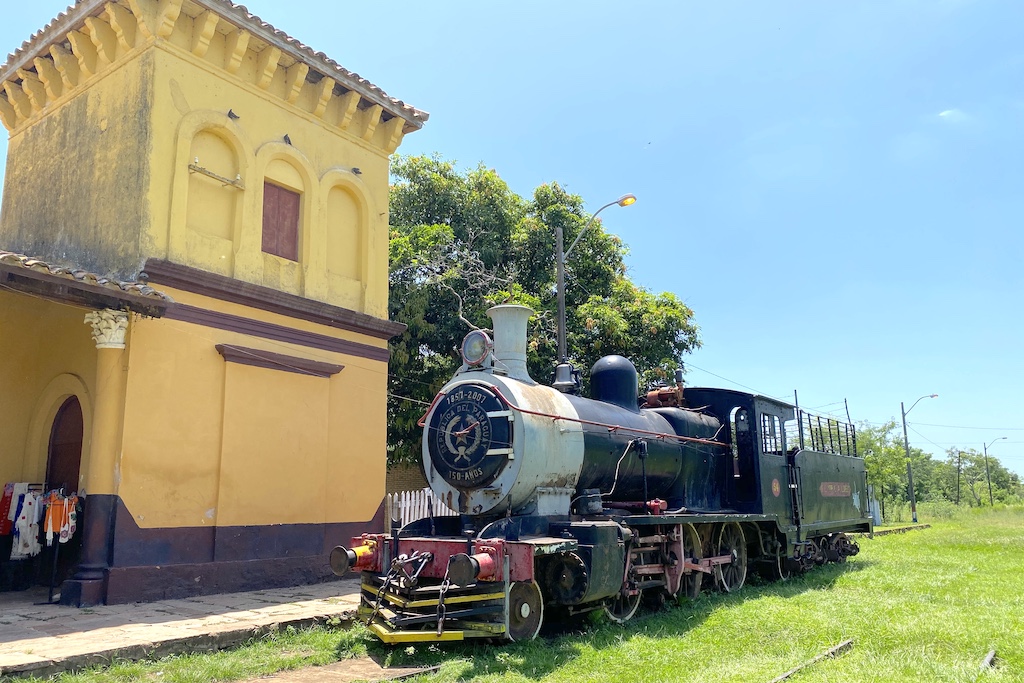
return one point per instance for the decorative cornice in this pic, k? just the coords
(225, 288)
(108, 328)
(318, 61)
(280, 333)
(92, 35)
(277, 361)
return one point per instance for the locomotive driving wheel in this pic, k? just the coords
(623, 606)
(525, 610)
(783, 567)
(689, 587)
(731, 541)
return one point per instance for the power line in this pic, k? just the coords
(834, 403)
(696, 367)
(995, 429)
(732, 381)
(408, 400)
(924, 437)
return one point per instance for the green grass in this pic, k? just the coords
(921, 606)
(286, 649)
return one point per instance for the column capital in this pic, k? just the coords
(108, 328)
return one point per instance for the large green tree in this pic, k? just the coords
(881, 447)
(462, 241)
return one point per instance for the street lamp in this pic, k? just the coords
(906, 448)
(563, 371)
(987, 477)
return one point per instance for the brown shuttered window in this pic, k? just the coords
(281, 222)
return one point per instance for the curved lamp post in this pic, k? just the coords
(987, 477)
(906, 448)
(563, 372)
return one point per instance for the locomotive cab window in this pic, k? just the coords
(772, 436)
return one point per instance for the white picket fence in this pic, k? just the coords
(408, 506)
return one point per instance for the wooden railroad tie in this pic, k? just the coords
(831, 652)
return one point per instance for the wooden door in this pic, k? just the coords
(64, 460)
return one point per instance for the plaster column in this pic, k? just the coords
(88, 585)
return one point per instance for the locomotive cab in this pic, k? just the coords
(756, 438)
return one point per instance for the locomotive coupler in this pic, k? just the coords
(402, 562)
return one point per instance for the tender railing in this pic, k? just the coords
(821, 433)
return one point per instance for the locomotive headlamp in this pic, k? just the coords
(475, 347)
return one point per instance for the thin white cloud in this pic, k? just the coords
(953, 116)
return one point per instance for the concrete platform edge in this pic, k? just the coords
(203, 642)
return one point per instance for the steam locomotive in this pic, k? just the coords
(570, 504)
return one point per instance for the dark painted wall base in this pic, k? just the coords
(141, 565)
(85, 593)
(146, 584)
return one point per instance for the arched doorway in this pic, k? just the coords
(64, 456)
(63, 466)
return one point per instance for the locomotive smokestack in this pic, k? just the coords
(510, 338)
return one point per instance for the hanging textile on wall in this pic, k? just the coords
(23, 507)
(61, 517)
(6, 519)
(26, 515)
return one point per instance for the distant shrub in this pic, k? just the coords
(897, 513)
(1001, 508)
(939, 509)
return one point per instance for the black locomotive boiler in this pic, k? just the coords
(570, 504)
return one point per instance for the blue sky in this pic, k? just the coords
(834, 188)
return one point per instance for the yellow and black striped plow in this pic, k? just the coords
(398, 613)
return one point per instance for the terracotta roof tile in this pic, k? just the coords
(338, 70)
(69, 18)
(9, 258)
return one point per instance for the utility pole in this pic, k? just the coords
(987, 477)
(906, 447)
(958, 454)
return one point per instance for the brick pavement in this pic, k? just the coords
(46, 639)
(347, 671)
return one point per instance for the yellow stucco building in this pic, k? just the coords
(203, 202)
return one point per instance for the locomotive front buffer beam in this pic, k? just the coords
(431, 589)
(427, 589)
